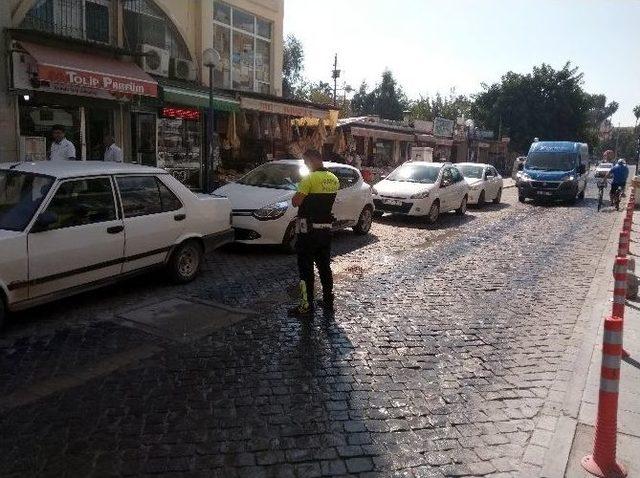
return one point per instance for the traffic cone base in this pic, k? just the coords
(611, 471)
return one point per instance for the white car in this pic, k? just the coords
(602, 170)
(67, 227)
(485, 183)
(262, 209)
(422, 189)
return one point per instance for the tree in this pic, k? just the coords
(636, 113)
(452, 106)
(386, 100)
(545, 103)
(292, 66)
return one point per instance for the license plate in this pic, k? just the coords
(392, 202)
(545, 193)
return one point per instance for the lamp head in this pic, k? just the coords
(211, 58)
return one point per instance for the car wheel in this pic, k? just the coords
(185, 262)
(434, 212)
(364, 221)
(290, 238)
(463, 207)
(498, 198)
(481, 199)
(581, 194)
(378, 214)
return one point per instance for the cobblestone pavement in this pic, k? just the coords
(448, 355)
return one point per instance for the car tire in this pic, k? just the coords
(434, 212)
(581, 194)
(290, 238)
(498, 198)
(364, 221)
(378, 214)
(463, 207)
(481, 199)
(185, 262)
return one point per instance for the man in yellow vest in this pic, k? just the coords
(314, 200)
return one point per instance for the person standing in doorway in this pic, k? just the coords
(61, 149)
(314, 200)
(112, 152)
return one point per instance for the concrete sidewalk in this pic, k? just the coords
(581, 403)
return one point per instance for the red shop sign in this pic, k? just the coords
(181, 113)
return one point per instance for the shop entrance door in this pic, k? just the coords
(99, 122)
(143, 138)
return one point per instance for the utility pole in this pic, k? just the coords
(335, 75)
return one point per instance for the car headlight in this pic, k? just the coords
(421, 195)
(272, 211)
(569, 177)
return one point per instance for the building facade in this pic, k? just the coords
(134, 69)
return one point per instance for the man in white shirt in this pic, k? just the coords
(61, 149)
(112, 152)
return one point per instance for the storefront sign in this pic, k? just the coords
(381, 134)
(99, 81)
(282, 108)
(443, 127)
(181, 113)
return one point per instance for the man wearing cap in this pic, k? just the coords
(314, 200)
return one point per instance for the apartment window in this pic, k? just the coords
(244, 43)
(146, 24)
(85, 19)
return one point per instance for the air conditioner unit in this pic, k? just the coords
(182, 69)
(155, 60)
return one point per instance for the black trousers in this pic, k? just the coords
(315, 248)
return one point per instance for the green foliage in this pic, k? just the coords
(636, 113)
(292, 66)
(626, 140)
(452, 106)
(386, 100)
(546, 103)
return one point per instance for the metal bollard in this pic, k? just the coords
(602, 462)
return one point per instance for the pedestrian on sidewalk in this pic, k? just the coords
(61, 148)
(112, 152)
(314, 200)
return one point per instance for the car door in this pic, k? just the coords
(83, 240)
(497, 181)
(447, 189)
(153, 217)
(489, 183)
(348, 204)
(460, 188)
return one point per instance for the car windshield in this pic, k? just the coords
(20, 197)
(275, 175)
(551, 161)
(415, 173)
(471, 171)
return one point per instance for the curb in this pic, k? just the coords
(593, 310)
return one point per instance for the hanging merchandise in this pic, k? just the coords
(242, 123)
(275, 125)
(296, 133)
(256, 133)
(232, 136)
(265, 126)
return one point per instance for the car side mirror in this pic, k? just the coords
(44, 221)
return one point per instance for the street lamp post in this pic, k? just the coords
(210, 59)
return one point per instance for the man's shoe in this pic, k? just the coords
(300, 312)
(326, 303)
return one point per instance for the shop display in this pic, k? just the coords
(179, 149)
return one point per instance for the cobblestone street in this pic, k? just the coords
(441, 359)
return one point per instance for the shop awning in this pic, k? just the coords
(197, 99)
(381, 134)
(283, 108)
(75, 69)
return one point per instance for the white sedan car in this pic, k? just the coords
(262, 209)
(67, 227)
(422, 189)
(602, 170)
(485, 184)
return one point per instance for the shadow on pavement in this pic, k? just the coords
(445, 221)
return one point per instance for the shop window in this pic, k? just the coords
(82, 202)
(244, 43)
(179, 149)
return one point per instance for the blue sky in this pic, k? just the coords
(434, 45)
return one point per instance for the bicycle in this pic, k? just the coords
(615, 198)
(602, 185)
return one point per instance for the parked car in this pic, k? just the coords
(67, 227)
(485, 183)
(602, 170)
(262, 209)
(422, 189)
